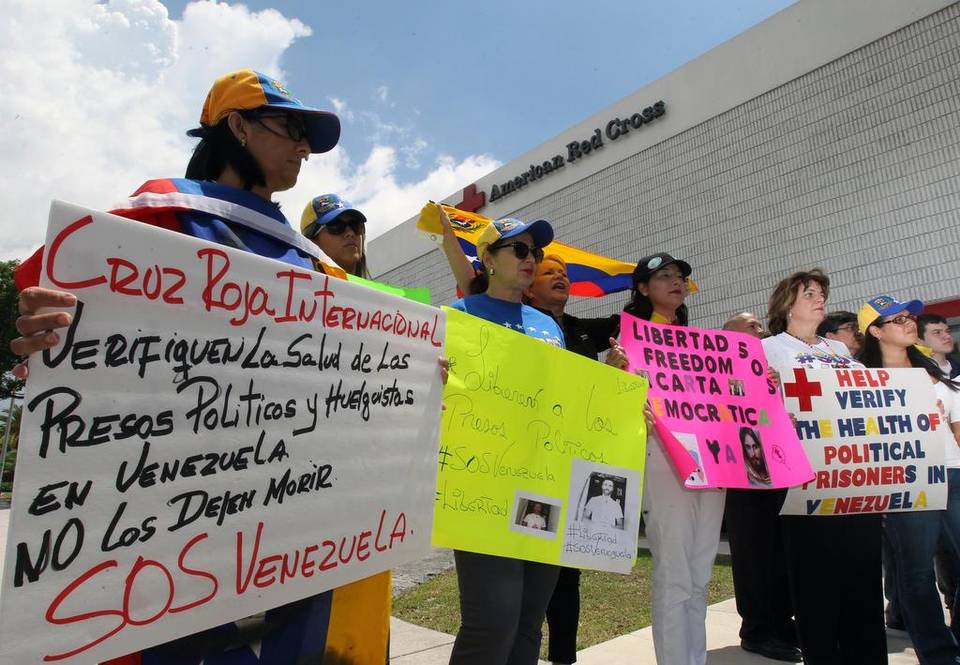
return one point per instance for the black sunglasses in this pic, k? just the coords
(295, 128)
(339, 227)
(522, 250)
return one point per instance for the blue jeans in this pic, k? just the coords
(913, 537)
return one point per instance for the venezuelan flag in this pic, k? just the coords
(590, 274)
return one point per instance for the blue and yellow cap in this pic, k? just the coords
(502, 229)
(245, 90)
(323, 210)
(883, 305)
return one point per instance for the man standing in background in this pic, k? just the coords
(760, 583)
(843, 327)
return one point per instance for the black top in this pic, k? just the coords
(587, 337)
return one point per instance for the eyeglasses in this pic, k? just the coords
(668, 275)
(293, 124)
(522, 250)
(851, 328)
(339, 227)
(898, 320)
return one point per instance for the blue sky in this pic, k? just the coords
(433, 95)
(492, 77)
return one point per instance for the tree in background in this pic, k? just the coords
(8, 317)
(6, 479)
(8, 384)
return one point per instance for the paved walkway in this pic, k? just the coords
(413, 645)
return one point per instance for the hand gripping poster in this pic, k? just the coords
(720, 420)
(875, 438)
(541, 451)
(216, 434)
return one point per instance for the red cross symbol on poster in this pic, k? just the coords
(803, 389)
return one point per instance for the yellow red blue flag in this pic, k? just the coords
(590, 274)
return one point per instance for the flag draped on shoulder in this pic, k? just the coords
(590, 274)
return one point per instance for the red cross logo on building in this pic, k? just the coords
(472, 199)
(802, 389)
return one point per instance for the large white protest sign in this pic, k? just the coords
(874, 437)
(215, 435)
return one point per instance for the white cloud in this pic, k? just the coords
(382, 93)
(411, 152)
(341, 109)
(97, 97)
(372, 185)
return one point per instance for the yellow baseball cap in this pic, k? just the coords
(502, 229)
(323, 210)
(245, 90)
(883, 305)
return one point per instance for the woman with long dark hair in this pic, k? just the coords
(682, 525)
(833, 563)
(890, 339)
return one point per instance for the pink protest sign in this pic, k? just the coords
(720, 421)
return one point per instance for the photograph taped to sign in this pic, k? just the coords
(216, 434)
(521, 418)
(706, 388)
(603, 518)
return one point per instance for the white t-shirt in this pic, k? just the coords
(786, 352)
(534, 521)
(604, 511)
(950, 412)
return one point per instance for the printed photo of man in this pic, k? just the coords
(535, 518)
(603, 510)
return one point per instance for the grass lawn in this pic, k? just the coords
(435, 603)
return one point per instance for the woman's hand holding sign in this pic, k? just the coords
(37, 329)
(617, 357)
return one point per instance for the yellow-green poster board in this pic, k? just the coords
(416, 293)
(541, 451)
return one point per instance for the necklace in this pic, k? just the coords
(819, 340)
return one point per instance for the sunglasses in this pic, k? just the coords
(851, 328)
(293, 125)
(522, 250)
(898, 320)
(339, 227)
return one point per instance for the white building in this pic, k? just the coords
(828, 135)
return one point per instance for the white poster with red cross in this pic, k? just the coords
(216, 434)
(874, 437)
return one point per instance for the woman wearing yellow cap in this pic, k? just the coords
(339, 231)
(503, 600)
(890, 338)
(549, 293)
(254, 137)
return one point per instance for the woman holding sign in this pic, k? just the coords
(254, 137)
(833, 562)
(503, 600)
(890, 338)
(587, 337)
(682, 525)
